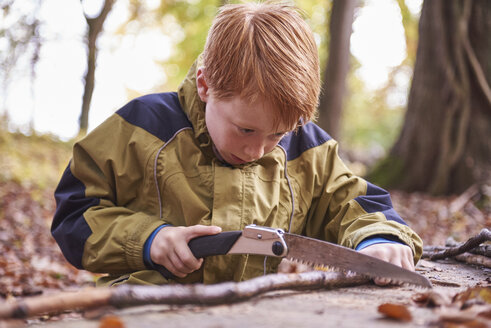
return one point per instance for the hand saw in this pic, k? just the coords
(275, 242)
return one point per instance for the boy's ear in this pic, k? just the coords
(203, 91)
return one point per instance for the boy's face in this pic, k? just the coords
(241, 132)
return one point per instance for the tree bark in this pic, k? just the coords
(334, 82)
(95, 25)
(445, 145)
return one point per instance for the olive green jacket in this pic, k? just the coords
(152, 163)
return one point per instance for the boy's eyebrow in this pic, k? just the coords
(282, 132)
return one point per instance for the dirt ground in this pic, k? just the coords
(343, 307)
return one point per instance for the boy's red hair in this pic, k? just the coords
(264, 52)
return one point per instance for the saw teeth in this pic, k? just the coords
(321, 267)
(300, 261)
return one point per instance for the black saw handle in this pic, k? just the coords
(204, 246)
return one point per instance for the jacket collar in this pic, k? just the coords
(192, 105)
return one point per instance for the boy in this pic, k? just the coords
(234, 146)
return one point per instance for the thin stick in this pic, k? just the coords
(55, 303)
(458, 203)
(484, 250)
(474, 259)
(133, 295)
(483, 236)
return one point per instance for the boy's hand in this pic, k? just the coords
(394, 253)
(170, 248)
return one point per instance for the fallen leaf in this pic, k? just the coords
(473, 317)
(433, 298)
(111, 321)
(473, 296)
(395, 311)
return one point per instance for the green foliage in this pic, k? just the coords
(387, 172)
(367, 119)
(410, 22)
(37, 160)
(317, 15)
(188, 23)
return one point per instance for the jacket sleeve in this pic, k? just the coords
(347, 209)
(107, 202)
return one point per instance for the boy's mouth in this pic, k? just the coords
(237, 160)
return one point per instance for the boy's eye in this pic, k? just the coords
(246, 130)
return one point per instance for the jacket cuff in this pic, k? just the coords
(146, 247)
(376, 240)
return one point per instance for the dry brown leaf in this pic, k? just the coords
(470, 308)
(473, 296)
(111, 321)
(395, 311)
(486, 313)
(31, 262)
(433, 298)
(475, 316)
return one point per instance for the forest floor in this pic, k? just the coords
(32, 264)
(460, 297)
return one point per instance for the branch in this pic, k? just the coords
(459, 203)
(474, 259)
(483, 236)
(134, 295)
(478, 71)
(484, 250)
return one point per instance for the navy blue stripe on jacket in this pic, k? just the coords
(69, 227)
(160, 114)
(306, 137)
(378, 200)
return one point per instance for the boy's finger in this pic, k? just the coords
(187, 259)
(407, 263)
(176, 266)
(382, 281)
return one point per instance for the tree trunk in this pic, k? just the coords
(445, 143)
(334, 82)
(95, 25)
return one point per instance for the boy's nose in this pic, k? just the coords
(254, 151)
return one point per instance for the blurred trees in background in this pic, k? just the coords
(337, 67)
(94, 28)
(445, 144)
(20, 41)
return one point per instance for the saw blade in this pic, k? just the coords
(322, 253)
